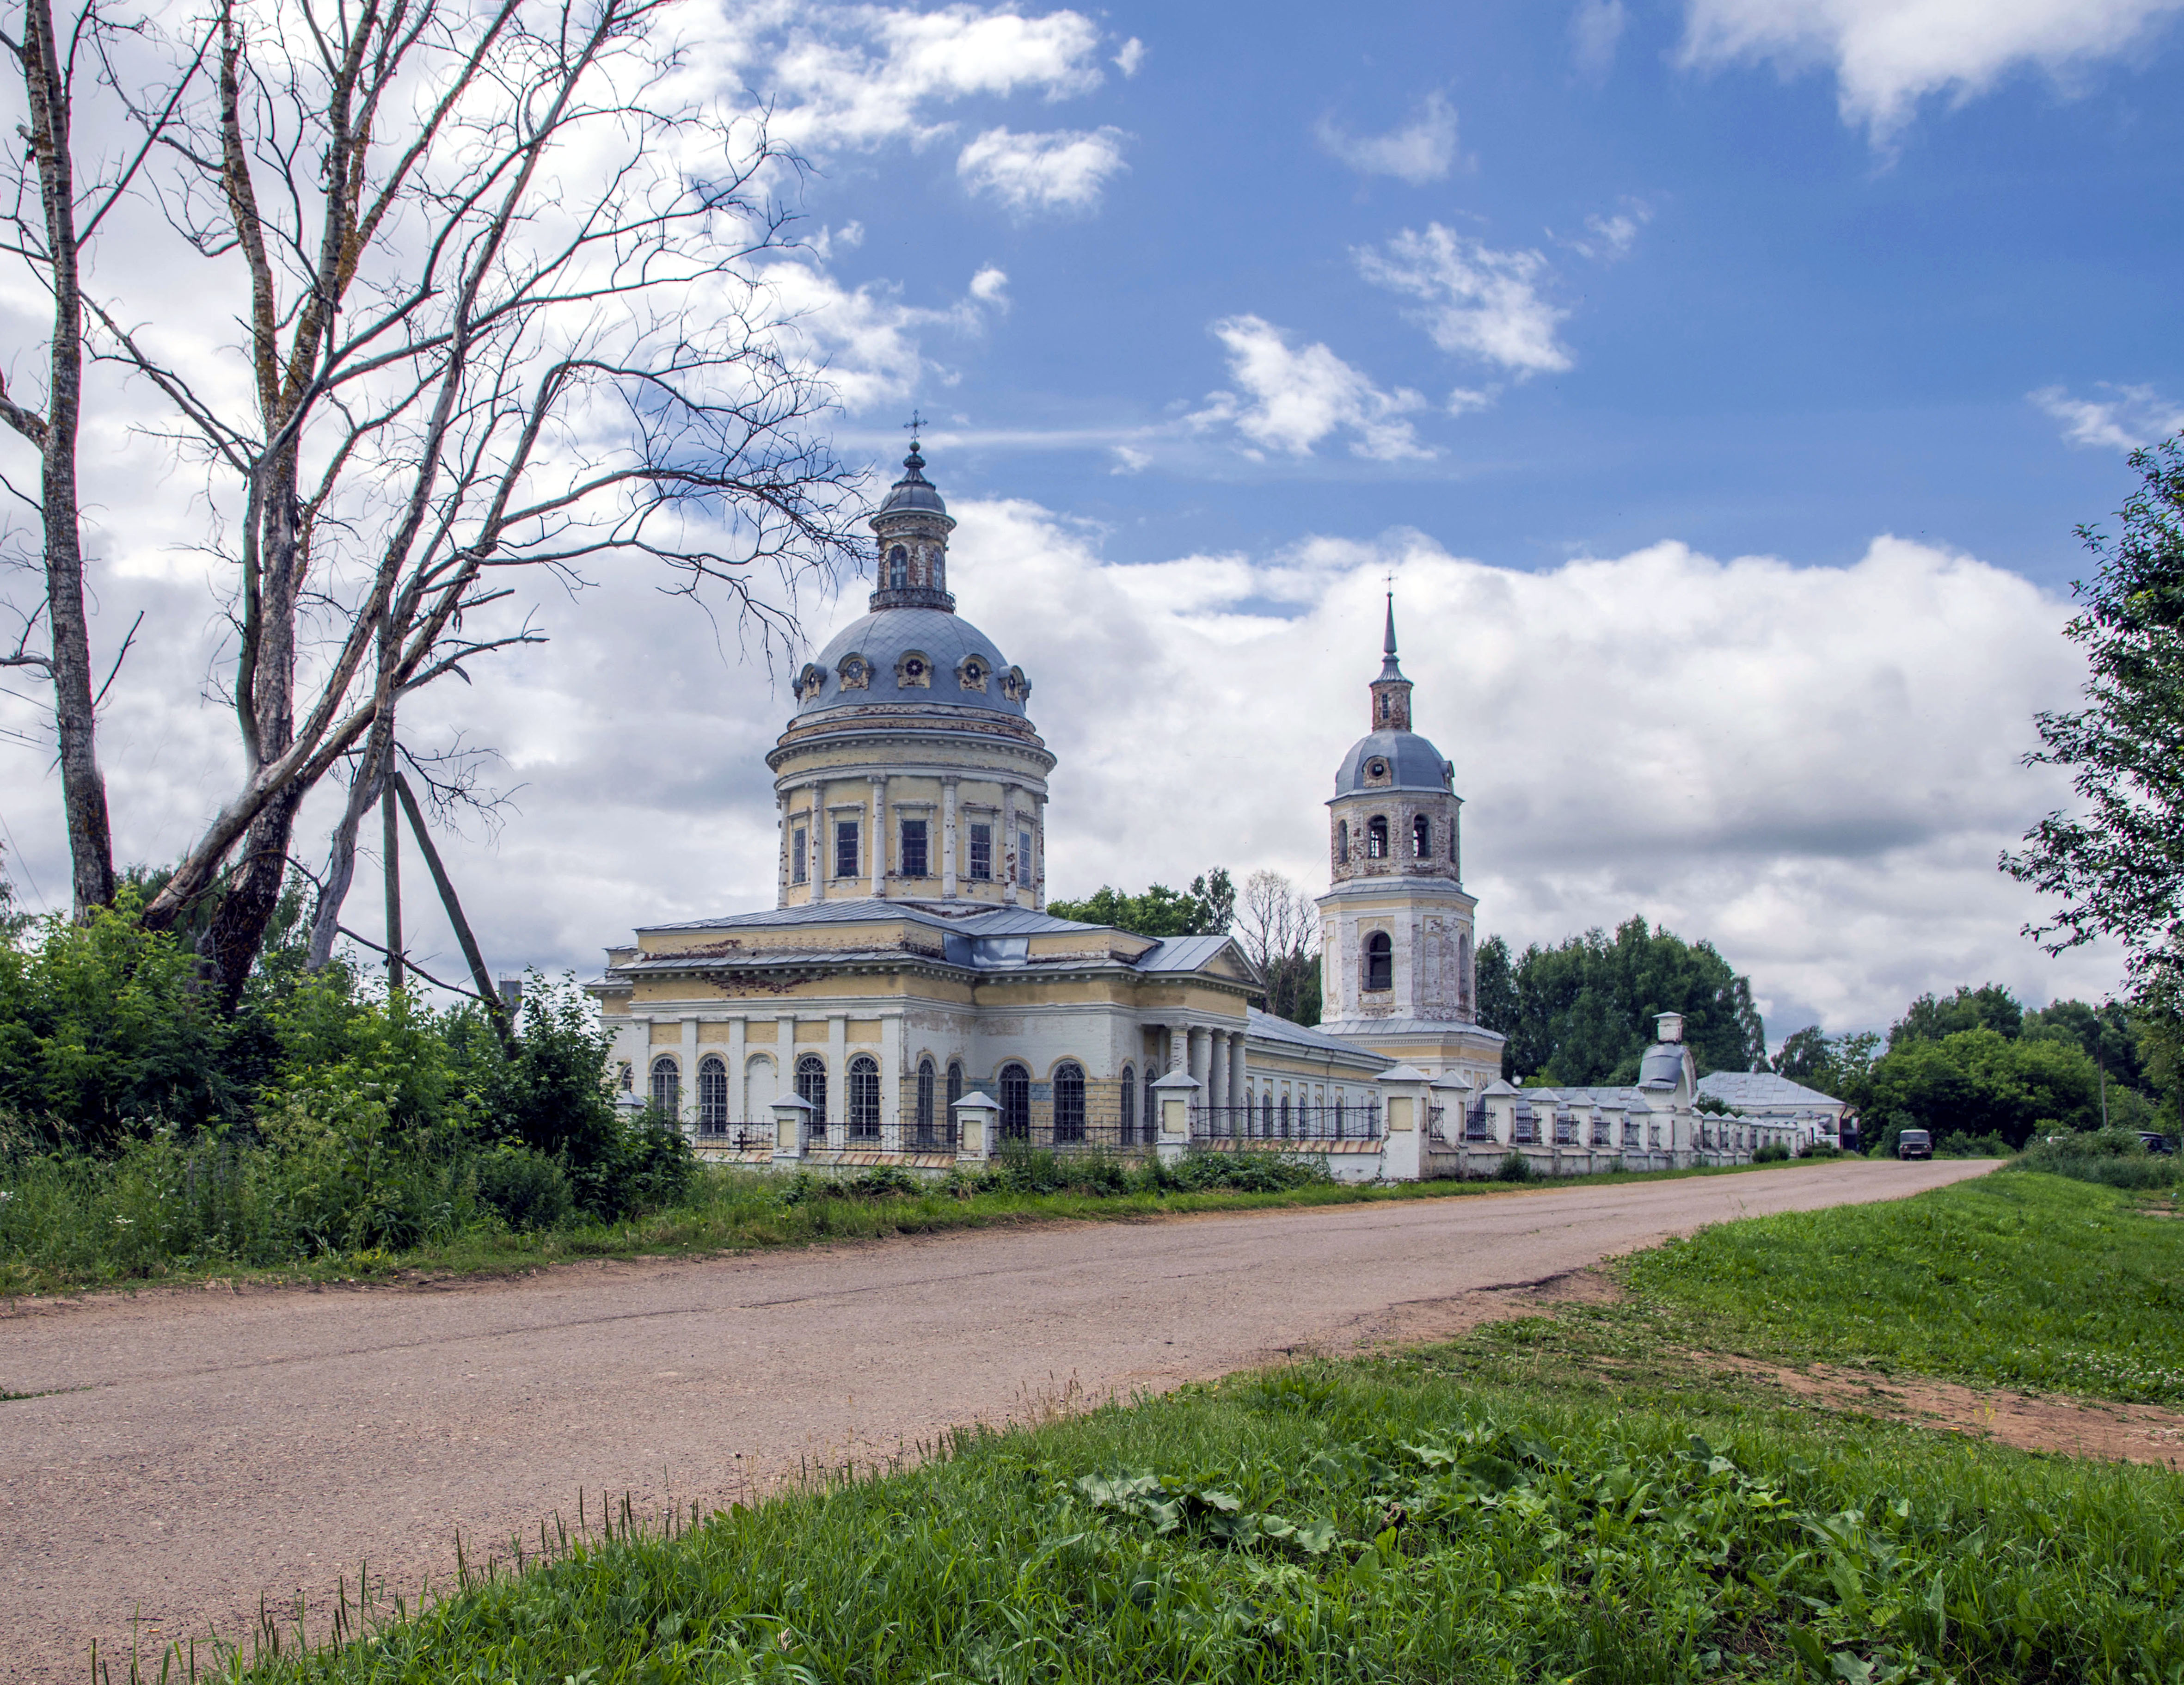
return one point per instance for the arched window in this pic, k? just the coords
(1286, 1117)
(1152, 1110)
(811, 1089)
(926, 1085)
(1422, 838)
(1129, 1106)
(1016, 1103)
(1337, 1114)
(1342, 842)
(668, 1084)
(712, 1093)
(864, 1098)
(1376, 837)
(1266, 1113)
(955, 1086)
(1380, 961)
(1069, 1101)
(898, 568)
(1384, 706)
(760, 1089)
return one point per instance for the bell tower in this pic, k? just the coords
(1398, 929)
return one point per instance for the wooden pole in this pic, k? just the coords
(391, 845)
(479, 975)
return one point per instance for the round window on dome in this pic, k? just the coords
(1377, 769)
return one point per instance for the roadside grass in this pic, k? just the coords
(2016, 1279)
(1565, 1497)
(46, 1249)
(1502, 1508)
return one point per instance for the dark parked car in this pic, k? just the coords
(2156, 1142)
(1915, 1144)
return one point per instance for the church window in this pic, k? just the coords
(1023, 858)
(1337, 1114)
(845, 848)
(925, 1098)
(712, 1094)
(1342, 842)
(1129, 1106)
(1016, 1103)
(1266, 1113)
(954, 1087)
(1286, 1117)
(1152, 1110)
(1454, 855)
(666, 1085)
(1376, 837)
(1379, 963)
(972, 673)
(1422, 837)
(1069, 1101)
(864, 1098)
(1384, 708)
(856, 673)
(811, 1089)
(982, 852)
(913, 848)
(898, 568)
(796, 844)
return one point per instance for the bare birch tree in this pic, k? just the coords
(1279, 927)
(493, 274)
(49, 225)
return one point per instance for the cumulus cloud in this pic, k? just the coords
(1815, 767)
(1294, 396)
(1424, 150)
(1609, 237)
(1474, 301)
(849, 76)
(1595, 30)
(872, 343)
(2130, 417)
(1064, 171)
(1888, 54)
(1132, 56)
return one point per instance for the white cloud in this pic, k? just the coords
(1596, 28)
(1132, 56)
(1888, 54)
(1475, 301)
(859, 76)
(1608, 238)
(1421, 152)
(1293, 397)
(1129, 460)
(2134, 415)
(872, 343)
(1063, 170)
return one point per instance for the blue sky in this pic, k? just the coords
(1717, 381)
(1816, 331)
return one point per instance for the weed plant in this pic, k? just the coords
(2012, 1280)
(2115, 1158)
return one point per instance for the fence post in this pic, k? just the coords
(792, 1113)
(1403, 1108)
(1174, 1095)
(976, 1117)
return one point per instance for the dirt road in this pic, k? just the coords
(197, 1449)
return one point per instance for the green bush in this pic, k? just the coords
(1959, 1144)
(1516, 1168)
(2112, 1158)
(1774, 1152)
(527, 1189)
(1250, 1172)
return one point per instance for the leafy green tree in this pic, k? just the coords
(1208, 907)
(2117, 867)
(1981, 1082)
(1582, 1013)
(2108, 1033)
(1989, 1006)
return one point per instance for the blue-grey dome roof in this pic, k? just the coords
(885, 640)
(1413, 763)
(912, 491)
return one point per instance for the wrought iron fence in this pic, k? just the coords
(1265, 1125)
(735, 1137)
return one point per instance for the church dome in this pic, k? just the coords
(913, 494)
(914, 657)
(1392, 759)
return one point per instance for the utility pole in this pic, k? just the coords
(391, 836)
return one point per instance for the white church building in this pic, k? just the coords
(908, 1001)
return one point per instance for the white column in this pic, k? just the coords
(1006, 844)
(948, 839)
(1200, 1048)
(1236, 1085)
(737, 1113)
(688, 1107)
(1216, 1083)
(879, 836)
(891, 1082)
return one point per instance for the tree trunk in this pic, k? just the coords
(91, 846)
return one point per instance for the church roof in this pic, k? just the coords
(913, 492)
(973, 920)
(1761, 1088)
(1413, 763)
(1183, 953)
(1268, 1028)
(886, 639)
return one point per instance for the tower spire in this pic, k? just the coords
(1391, 691)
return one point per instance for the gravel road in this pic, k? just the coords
(198, 1448)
